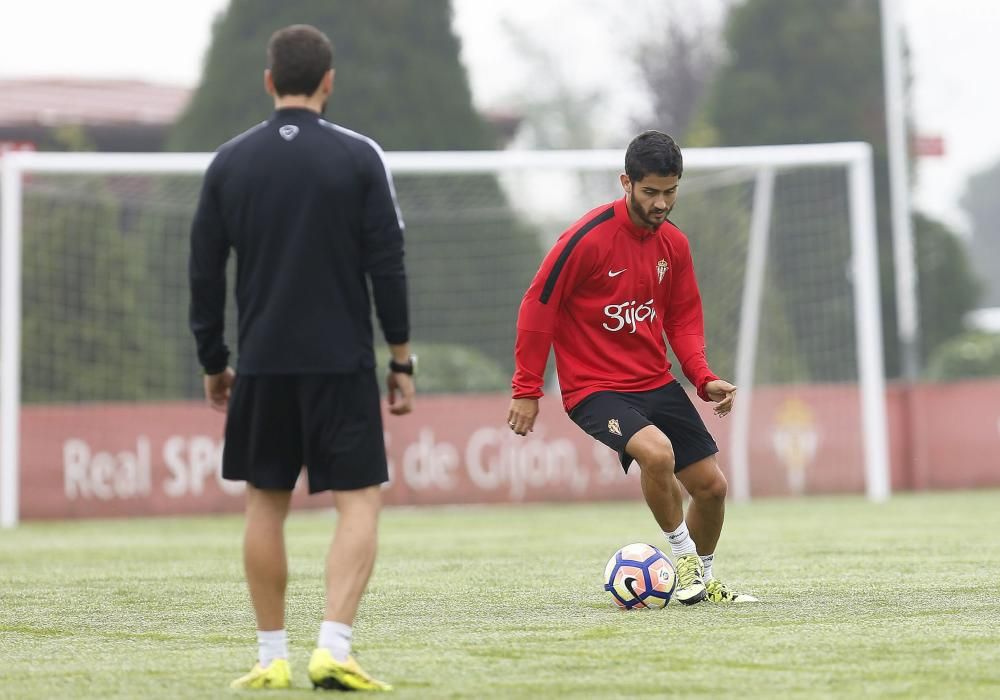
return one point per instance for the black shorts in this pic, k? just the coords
(331, 423)
(613, 417)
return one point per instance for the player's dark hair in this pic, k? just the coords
(653, 152)
(298, 56)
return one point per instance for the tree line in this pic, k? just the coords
(782, 73)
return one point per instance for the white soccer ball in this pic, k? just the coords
(640, 576)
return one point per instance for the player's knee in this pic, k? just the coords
(715, 489)
(667, 458)
(360, 505)
(657, 458)
(720, 487)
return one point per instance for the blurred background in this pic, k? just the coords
(103, 272)
(556, 74)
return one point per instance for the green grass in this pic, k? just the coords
(897, 600)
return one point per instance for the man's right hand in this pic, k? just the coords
(401, 392)
(522, 414)
(218, 387)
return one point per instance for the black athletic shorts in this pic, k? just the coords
(613, 417)
(329, 423)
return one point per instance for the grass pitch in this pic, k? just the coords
(896, 600)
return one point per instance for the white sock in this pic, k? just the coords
(336, 637)
(680, 541)
(271, 645)
(707, 560)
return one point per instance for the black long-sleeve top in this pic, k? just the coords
(310, 209)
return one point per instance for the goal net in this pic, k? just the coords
(94, 288)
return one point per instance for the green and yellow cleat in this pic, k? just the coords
(690, 587)
(328, 673)
(718, 592)
(276, 675)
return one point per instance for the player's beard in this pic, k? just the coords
(646, 217)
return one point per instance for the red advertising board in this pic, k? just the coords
(163, 458)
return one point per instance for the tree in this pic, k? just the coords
(677, 66)
(88, 334)
(800, 73)
(983, 206)
(399, 80)
(947, 286)
(971, 354)
(812, 73)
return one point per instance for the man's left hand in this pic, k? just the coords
(401, 393)
(723, 394)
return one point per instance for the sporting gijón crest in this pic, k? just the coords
(661, 270)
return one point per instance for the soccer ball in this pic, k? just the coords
(640, 576)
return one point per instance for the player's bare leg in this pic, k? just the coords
(655, 455)
(351, 558)
(707, 485)
(349, 565)
(266, 567)
(264, 558)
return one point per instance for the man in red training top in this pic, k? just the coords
(604, 296)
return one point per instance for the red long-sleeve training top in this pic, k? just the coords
(604, 296)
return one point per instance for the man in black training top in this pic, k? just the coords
(310, 210)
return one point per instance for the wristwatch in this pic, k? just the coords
(408, 367)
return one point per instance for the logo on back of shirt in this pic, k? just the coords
(628, 314)
(288, 132)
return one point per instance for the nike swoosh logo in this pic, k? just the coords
(630, 586)
(615, 274)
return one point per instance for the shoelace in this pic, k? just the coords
(687, 571)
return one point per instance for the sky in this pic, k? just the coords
(954, 54)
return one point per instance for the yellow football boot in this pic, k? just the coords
(718, 592)
(690, 586)
(276, 675)
(326, 672)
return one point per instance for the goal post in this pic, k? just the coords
(10, 338)
(472, 217)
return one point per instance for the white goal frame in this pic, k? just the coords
(764, 161)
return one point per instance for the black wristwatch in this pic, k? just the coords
(408, 367)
